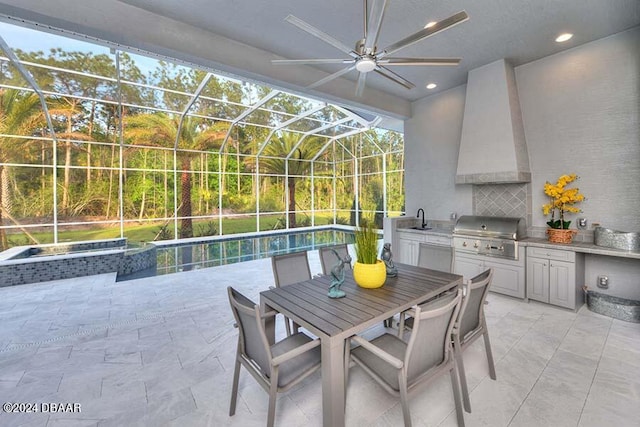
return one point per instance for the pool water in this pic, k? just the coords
(228, 251)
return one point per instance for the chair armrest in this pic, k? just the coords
(295, 352)
(268, 314)
(391, 360)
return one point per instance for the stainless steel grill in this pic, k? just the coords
(489, 235)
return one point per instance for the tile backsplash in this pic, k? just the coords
(513, 200)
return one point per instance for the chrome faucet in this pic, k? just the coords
(424, 224)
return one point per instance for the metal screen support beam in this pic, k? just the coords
(192, 101)
(335, 180)
(286, 193)
(384, 185)
(246, 112)
(121, 147)
(311, 132)
(220, 194)
(287, 123)
(313, 204)
(257, 175)
(356, 188)
(43, 102)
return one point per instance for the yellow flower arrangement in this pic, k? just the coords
(563, 199)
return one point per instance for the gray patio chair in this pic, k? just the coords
(435, 257)
(288, 269)
(399, 366)
(472, 325)
(328, 258)
(276, 367)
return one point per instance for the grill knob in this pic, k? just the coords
(475, 245)
(464, 244)
(501, 248)
(488, 247)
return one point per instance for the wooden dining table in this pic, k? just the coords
(335, 320)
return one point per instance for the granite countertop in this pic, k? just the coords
(437, 231)
(584, 247)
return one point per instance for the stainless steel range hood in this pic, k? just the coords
(493, 147)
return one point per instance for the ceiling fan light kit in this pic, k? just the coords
(366, 57)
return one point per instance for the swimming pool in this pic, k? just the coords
(222, 251)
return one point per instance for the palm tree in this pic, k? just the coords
(160, 130)
(299, 163)
(20, 114)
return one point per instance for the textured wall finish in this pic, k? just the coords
(581, 111)
(431, 142)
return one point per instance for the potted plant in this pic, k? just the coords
(368, 271)
(562, 199)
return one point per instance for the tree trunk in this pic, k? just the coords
(186, 224)
(186, 228)
(291, 185)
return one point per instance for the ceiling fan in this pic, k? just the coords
(366, 56)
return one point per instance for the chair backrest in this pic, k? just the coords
(435, 257)
(430, 343)
(328, 259)
(290, 268)
(252, 341)
(472, 310)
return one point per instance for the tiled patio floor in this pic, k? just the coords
(159, 351)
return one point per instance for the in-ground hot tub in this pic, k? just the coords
(612, 306)
(33, 264)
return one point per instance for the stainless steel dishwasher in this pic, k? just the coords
(436, 253)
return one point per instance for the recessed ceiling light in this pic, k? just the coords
(431, 24)
(431, 86)
(564, 37)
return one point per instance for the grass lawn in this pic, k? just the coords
(148, 232)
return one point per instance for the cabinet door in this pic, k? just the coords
(507, 279)
(562, 284)
(408, 252)
(538, 279)
(467, 267)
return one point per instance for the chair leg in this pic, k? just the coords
(456, 394)
(234, 388)
(273, 392)
(287, 326)
(487, 346)
(404, 399)
(457, 352)
(401, 326)
(347, 360)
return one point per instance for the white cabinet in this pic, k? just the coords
(508, 275)
(555, 276)
(408, 247)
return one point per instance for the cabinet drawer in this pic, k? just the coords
(555, 254)
(414, 237)
(438, 240)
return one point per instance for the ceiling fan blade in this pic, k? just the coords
(385, 72)
(319, 34)
(311, 61)
(424, 33)
(373, 25)
(361, 80)
(331, 77)
(420, 61)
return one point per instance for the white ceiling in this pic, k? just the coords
(518, 30)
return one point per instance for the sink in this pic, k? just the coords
(617, 239)
(421, 228)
